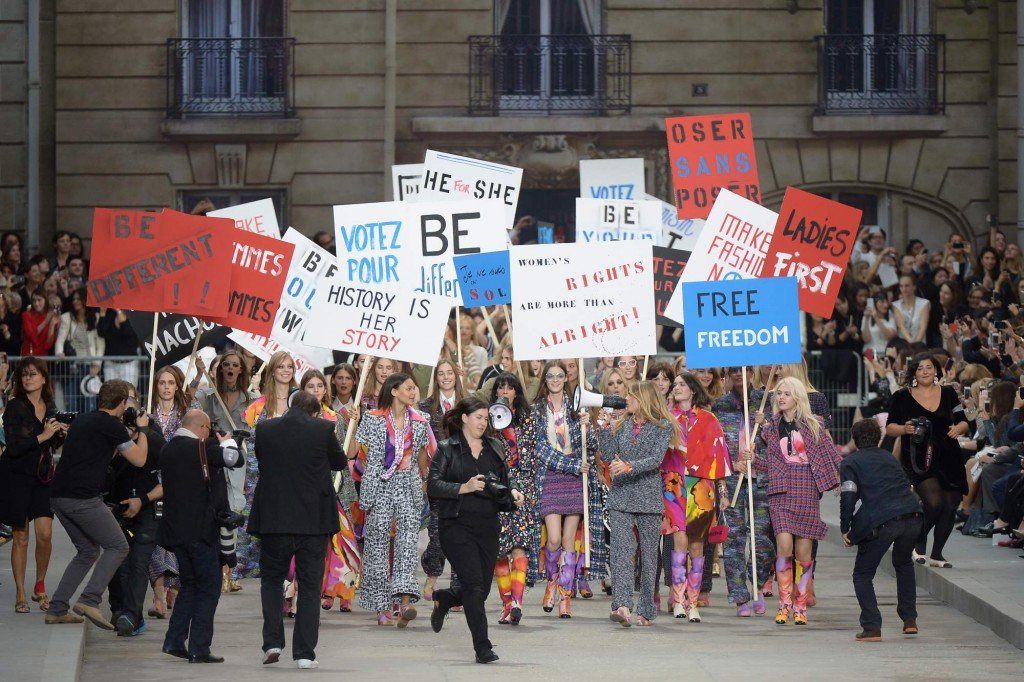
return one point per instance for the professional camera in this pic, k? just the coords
(238, 434)
(226, 518)
(130, 416)
(922, 429)
(496, 490)
(64, 417)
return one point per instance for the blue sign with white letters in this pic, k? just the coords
(738, 322)
(484, 278)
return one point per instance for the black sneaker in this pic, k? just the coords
(487, 657)
(124, 625)
(441, 608)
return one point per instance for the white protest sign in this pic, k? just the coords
(305, 359)
(255, 216)
(447, 177)
(391, 322)
(406, 180)
(413, 242)
(583, 300)
(310, 264)
(732, 245)
(612, 179)
(603, 220)
(677, 233)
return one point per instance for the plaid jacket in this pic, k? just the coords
(822, 455)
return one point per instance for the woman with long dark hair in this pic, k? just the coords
(344, 379)
(77, 332)
(398, 443)
(26, 470)
(924, 416)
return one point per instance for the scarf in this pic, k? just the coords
(392, 456)
(561, 427)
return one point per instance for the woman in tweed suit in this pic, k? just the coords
(634, 447)
(802, 463)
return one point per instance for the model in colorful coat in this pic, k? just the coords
(714, 385)
(692, 496)
(802, 463)
(398, 443)
(447, 391)
(519, 543)
(278, 381)
(635, 446)
(560, 495)
(736, 554)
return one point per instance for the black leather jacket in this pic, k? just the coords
(448, 472)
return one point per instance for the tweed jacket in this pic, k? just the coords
(639, 491)
(823, 457)
(373, 433)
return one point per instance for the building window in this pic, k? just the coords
(223, 198)
(234, 59)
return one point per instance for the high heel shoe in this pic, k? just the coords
(622, 616)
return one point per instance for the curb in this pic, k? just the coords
(63, 662)
(983, 605)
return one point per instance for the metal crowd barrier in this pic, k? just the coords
(845, 391)
(66, 375)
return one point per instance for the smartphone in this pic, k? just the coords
(871, 303)
(993, 339)
(967, 391)
(984, 399)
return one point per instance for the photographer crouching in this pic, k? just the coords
(468, 485)
(195, 507)
(76, 496)
(134, 493)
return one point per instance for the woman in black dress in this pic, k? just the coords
(922, 414)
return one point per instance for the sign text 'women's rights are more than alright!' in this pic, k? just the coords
(736, 322)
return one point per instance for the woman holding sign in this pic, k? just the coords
(802, 464)
(558, 436)
(399, 443)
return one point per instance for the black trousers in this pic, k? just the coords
(276, 552)
(901, 535)
(192, 617)
(127, 590)
(470, 542)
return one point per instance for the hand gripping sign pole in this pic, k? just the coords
(586, 480)
(750, 480)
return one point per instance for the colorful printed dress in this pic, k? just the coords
(707, 460)
(521, 528)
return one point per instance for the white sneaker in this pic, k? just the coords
(306, 664)
(271, 656)
(693, 615)
(678, 610)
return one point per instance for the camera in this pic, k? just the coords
(64, 417)
(496, 490)
(228, 519)
(130, 416)
(958, 246)
(238, 434)
(922, 429)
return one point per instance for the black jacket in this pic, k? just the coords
(448, 471)
(25, 455)
(876, 478)
(295, 494)
(188, 500)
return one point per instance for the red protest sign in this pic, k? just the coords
(259, 270)
(813, 240)
(160, 262)
(708, 153)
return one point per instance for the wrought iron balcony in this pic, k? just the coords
(881, 74)
(549, 74)
(230, 77)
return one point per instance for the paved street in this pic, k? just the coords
(543, 647)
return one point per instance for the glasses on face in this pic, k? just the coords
(627, 363)
(554, 376)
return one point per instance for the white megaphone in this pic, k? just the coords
(500, 413)
(582, 399)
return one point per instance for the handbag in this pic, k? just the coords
(718, 533)
(69, 349)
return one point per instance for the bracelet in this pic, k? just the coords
(144, 499)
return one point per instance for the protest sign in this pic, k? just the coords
(739, 322)
(484, 279)
(256, 216)
(813, 242)
(676, 232)
(669, 265)
(305, 357)
(582, 300)
(160, 262)
(733, 244)
(309, 265)
(175, 334)
(414, 242)
(707, 154)
(603, 220)
(392, 322)
(259, 268)
(447, 177)
(612, 179)
(406, 180)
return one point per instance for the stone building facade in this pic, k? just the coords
(904, 107)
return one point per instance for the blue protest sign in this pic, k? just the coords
(484, 278)
(736, 322)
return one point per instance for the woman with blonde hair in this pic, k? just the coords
(802, 464)
(635, 446)
(630, 366)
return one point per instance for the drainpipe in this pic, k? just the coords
(32, 113)
(390, 84)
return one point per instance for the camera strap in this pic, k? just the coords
(202, 461)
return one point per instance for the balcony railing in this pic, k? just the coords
(230, 77)
(549, 74)
(881, 74)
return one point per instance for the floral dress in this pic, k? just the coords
(521, 528)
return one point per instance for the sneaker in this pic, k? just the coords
(869, 636)
(272, 655)
(94, 615)
(910, 626)
(139, 630)
(693, 615)
(306, 664)
(487, 657)
(61, 620)
(124, 625)
(678, 610)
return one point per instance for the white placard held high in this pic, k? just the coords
(255, 216)
(406, 180)
(448, 177)
(603, 220)
(612, 179)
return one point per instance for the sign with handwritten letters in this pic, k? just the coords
(669, 265)
(676, 232)
(448, 177)
(612, 179)
(309, 266)
(603, 220)
(707, 154)
(175, 334)
(741, 322)
(406, 180)
(484, 279)
(259, 270)
(256, 216)
(582, 300)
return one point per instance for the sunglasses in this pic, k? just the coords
(553, 376)
(627, 363)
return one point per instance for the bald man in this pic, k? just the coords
(189, 466)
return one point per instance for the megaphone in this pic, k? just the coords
(500, 413)
(582, 399)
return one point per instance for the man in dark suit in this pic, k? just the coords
(188, 528)
(294, 512)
